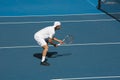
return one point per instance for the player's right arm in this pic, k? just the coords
(50, 40)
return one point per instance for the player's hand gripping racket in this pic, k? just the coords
(67, 40)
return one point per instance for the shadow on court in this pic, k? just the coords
(51, 55)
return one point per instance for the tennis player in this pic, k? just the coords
(45, 36)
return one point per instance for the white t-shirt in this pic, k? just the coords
(45, 33)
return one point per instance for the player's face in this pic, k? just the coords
(58, 27)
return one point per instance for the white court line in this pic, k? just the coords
(82, 44)
(57, 15)
(90, 78)
(61, 21)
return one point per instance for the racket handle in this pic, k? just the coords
(58, 44)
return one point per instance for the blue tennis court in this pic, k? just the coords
(93, 55)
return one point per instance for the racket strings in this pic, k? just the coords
(68, 39)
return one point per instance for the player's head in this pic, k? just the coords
(57, 25)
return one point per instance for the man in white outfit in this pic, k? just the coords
(44, 34)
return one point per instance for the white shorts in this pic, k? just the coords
(40, 41)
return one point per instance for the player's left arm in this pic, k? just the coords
(60, 41)
(50, 40)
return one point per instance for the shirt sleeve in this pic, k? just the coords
(52, 32)
(51, 36)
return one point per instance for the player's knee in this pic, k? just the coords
(45, 48)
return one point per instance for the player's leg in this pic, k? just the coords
(44, 53)
(44, 45)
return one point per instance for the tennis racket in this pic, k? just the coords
(68, 39)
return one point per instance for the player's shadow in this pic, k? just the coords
(51, 55)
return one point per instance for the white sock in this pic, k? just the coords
(43, 59)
